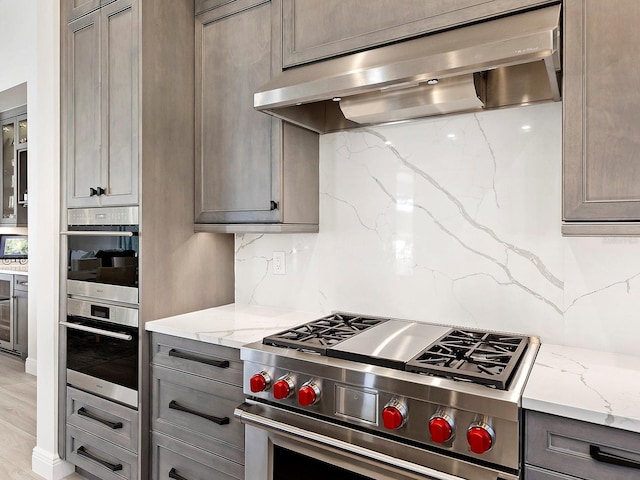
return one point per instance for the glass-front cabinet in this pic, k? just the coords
(6, 312)
(13, 158)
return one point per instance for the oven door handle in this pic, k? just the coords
(95, 233)
(98, 331)
(244, 415)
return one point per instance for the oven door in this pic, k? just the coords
(284, 445)
(101, 346)
(102, 262)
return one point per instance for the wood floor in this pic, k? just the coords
(18, 421)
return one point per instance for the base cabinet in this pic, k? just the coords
(195, 389)
(558, 448)
(101, 436)
(14, 315)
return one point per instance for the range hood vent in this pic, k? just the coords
(509, 61)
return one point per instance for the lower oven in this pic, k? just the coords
(281, 444)
(101, 349)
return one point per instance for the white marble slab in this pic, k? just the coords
(593, 386)
(232, 325)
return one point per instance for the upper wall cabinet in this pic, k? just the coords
(13, 158)
(253, 172)
(79, 8)
(102, 107)
(313, 30)
(601, 99)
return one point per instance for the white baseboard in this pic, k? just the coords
(31, 366)
(50, 465)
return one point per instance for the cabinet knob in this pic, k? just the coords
(101, 191)
(92, 192)
(274, 205)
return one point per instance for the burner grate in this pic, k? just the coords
(318, 335)
(474, 356)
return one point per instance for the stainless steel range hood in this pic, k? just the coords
(513, 60)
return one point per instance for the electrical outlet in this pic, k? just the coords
(279, 267)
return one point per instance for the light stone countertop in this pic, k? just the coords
(588, 385)
(14, 269)
(231, 325)
(592, 386)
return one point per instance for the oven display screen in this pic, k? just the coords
(100, 312)
(357, 404)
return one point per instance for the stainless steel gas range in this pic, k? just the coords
(358, 397)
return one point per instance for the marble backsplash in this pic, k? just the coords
(452, 220)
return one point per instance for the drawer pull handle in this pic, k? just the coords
(84, 413)
(219, 420)
(111, 466)
(175, 475)
(610, 458)
(197, 358)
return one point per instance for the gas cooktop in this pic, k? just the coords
(487, 358)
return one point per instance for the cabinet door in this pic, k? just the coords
(236, 181)
(119, 53)
(6, 312)
(21, 315)
(601, 74)
(8, 156)
(313, 30)
(83, 110)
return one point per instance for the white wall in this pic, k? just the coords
(453, 220)
(29, 41)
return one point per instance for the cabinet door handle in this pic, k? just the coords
(197, 358)
(173, 473)
(604, 457)
(113, 425)
(219, 420)
(100, 191)
(92, 192)
(114, 467)
(273, 205)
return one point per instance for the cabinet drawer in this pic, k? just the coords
(198, 411)
(99, 457)
(565, 446)
(207, 360)
(21, 282)
(169, 455)
(534, 473)
(107, 420)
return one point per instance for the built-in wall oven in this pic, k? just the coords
(100, 337)
(102, 349)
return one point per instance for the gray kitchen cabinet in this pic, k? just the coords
(79, 8)
(101, 436)
(253, 172)
(102, 110)
(13, 158)
(21, 314)
(315, 30)
(14, 313)
(601, 172)
(195, 389)
(566, 449)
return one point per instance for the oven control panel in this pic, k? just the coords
(406, 416)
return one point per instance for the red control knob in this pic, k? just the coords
(480, 438)
(260, 382)
(440, 429)
(308, 394)
(394, 415)
(283, 388)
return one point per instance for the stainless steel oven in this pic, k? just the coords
(360, 397)
(101, 346)
(100, 338)
(102, 254)
(285, 446)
